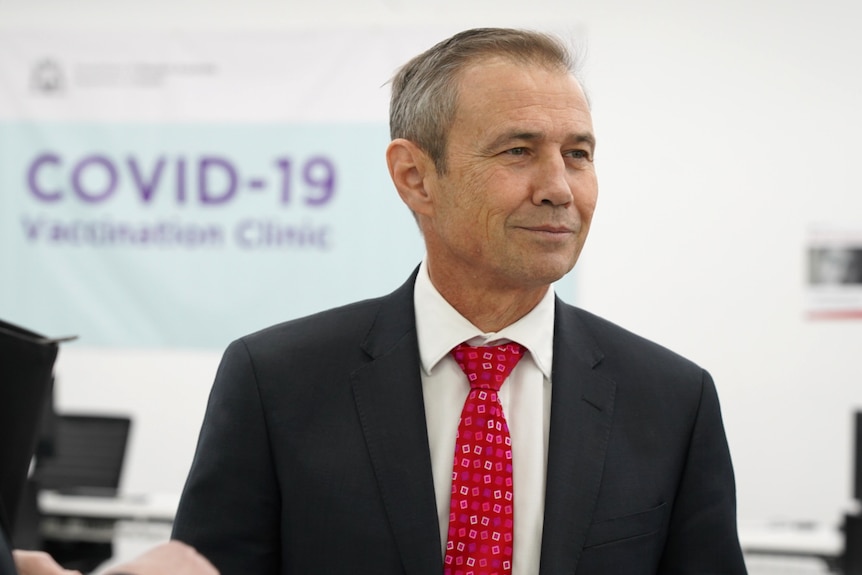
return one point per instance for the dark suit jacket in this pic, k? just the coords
(313, 456)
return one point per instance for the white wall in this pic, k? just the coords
(725, 131)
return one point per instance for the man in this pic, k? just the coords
(328, 442)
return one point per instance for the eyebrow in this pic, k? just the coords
(578, 138)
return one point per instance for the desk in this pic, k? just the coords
(125, 525)
(789, 539)
(94, 519)
(159, 507)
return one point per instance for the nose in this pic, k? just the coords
(551, 183)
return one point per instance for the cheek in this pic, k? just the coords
(475, 196)
(586, 195)
(457, 215)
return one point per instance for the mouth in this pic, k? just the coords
(550, 230)
(550, 234)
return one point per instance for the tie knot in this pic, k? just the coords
(488, 367)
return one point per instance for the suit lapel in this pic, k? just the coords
(582, 407)
(388, 395)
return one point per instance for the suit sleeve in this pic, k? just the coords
(702, 536)
(230, 507)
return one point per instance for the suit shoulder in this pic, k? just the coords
(349, 321)
(619, 344)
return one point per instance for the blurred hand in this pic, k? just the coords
(38, 563)
(171, 558)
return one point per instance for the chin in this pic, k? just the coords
(555, 270)
(545, 276)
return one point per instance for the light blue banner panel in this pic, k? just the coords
(194, 234)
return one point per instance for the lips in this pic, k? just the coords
(549, 228)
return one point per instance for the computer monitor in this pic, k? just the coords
(88, 455)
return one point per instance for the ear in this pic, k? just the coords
(409, 168)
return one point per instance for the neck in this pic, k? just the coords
(489, 307)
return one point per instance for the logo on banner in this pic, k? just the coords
(47, 77)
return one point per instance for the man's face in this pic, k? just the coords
(514, 207)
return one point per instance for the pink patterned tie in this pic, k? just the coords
(480, 511)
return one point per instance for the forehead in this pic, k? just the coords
(496, 92)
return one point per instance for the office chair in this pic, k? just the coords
(26, 364)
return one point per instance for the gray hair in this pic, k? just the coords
(425, 90)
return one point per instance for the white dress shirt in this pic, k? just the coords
(526, 399)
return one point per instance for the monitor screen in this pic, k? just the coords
(88, 454)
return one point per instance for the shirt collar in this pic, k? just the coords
(439, 327)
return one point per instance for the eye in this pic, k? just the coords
(578, 154)
(516, 151)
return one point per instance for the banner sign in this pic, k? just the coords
(182, 190)
(186, 235)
